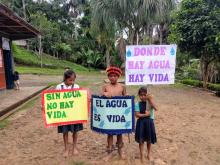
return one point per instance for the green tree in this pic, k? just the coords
(132, 15)
(113, 18)
(64, 50)
(87, 42)
(105, 37)
(163, 20)
(196, 30)
(49, 31)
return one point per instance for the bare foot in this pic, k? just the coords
(65, 154)
(109, 150)
(75, 151)
(122, 155)
(142, 160)
(148, 157)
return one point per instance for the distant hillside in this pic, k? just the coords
(30, 58)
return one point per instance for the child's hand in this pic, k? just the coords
(149, 96)
(106, 94)
(147, 113)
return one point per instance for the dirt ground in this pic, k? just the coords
(187, 125)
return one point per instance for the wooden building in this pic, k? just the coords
(12, 27)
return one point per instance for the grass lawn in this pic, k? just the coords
(29, 58)
(48, 71)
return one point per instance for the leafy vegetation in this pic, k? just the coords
(85, 32)
(197, 83)
(135, 18)
(214, 87)
(196, 30)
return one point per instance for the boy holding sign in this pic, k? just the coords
(109, 90)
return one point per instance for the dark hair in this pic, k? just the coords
(142, 90)
(68, 74)
(67, 68)
(16, 73)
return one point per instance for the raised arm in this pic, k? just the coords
(152, 103)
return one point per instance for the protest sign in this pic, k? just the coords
(112, 115)
(62, 107)
(150, 64)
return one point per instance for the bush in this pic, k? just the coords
(192, 73)
(214, 87)
(195, 83)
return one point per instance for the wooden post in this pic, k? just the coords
(40, 52)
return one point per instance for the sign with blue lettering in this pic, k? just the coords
(113, 115)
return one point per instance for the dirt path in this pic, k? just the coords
(188, 130)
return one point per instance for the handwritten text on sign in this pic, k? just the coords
(112, 115)
(150, 64)
(61, 107)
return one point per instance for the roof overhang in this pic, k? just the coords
(14, 27)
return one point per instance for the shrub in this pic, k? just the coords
(195, 83)
(214, 87)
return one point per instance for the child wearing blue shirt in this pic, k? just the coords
(145, 130)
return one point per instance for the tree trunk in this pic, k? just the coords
(147, 30)
(107, 58)
(130, 36)
(205, 75)
(122, 48)
(134, 38)
(24, 10)
(161, 34)
(40, 52)
(150, 34)
(27, 44)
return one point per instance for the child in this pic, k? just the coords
(109, 90)
(66, 68)
(16, 80)
(68, 83)
(145, 130)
